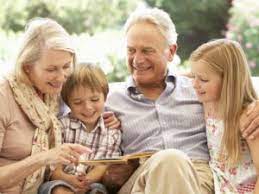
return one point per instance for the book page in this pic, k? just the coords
(119, 160)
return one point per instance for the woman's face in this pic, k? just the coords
(50, 72)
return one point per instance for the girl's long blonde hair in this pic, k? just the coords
(227, 58)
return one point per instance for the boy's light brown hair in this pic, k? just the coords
(86, 75)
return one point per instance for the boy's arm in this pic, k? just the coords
(59, 174)
(253, 146)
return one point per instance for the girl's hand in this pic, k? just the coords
(65, 154)
(111, 121)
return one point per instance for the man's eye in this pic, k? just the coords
(130, 51)
(148, 51)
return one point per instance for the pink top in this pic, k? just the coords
(239, 178)
(16, 133)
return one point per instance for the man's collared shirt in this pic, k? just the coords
(174, 120)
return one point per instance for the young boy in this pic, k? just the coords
(85, 92)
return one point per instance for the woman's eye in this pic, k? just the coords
(204, 80)
(77, 103)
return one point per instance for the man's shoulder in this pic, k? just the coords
(184, 86)
(117, 87)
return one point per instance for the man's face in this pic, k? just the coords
(147, 54)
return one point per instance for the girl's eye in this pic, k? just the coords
(50, 70)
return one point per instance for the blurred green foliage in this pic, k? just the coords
(77, 16)
(196, 21)
(244, 27)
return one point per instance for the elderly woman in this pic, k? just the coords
(30, 137)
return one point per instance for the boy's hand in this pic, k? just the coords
(77, 183)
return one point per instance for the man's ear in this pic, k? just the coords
(171, 52)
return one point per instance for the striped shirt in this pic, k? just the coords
(174, 120)
(103, 142)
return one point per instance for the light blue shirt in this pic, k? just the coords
(174, 120)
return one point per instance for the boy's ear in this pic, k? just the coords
(171, 52)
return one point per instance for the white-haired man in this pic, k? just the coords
(159, 111)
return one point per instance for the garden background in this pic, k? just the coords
(96, 27)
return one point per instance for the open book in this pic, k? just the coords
(118, 160)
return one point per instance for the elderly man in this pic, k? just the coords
(159, 111)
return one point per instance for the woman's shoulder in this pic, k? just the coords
(5, 89)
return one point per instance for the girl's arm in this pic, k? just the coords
(253, 146)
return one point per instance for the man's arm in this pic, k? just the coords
(249, 122)
(253, 146)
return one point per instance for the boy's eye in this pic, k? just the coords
(95, 99)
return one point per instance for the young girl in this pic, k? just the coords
(223, 84)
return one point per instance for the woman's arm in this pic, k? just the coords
(11, 174)
(253, 146)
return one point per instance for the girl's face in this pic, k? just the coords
(50, 72)
(86, 105)
(206, 83)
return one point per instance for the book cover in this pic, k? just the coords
(118, 160)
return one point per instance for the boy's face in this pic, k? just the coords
(86, 105)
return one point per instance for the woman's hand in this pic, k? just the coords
(65, 154)
(111, 121)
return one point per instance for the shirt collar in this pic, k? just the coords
(131, 86)
(76, 124)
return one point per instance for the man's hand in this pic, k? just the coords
(117, 175)
(249, 122)
(111, 121)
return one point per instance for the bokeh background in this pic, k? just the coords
(96, 27)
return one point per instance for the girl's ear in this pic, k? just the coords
(171, 52)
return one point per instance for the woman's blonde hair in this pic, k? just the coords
(227, 58)
(86, 75)
(40, 34)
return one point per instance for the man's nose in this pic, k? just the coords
(138, 58)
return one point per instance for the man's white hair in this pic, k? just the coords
(155, 16)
